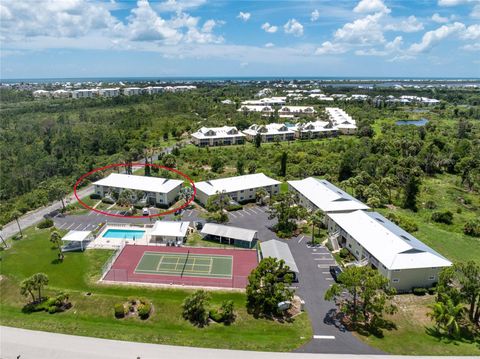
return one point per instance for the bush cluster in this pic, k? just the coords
(419, 291)
(108, 200)
(443, 217)
(344, 253)
(472, 228)
(119, 310)
(57, 304)
(95, 196)
(406, 223)
(144, 309)
(46, 223)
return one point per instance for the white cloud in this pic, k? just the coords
(449, 3)
(475, 12)
(330, 48)
(434, 37)
(363, 31)
(293, 27)
(244, 16)
(269, 28)
(472, 32)
(471, 47)
(411, 24)
(178, 5)
(439, 19)
(371, 6)
(315, 15)
(243, 64)
(389, 48)
(269, 44)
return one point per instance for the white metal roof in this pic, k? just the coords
(76, 236)
(279, 250)
(298, 109)
(217, 132)
(388, 243)
(255, 108)
(269, 129)
(315, 126)
(326, 196)
(170, 229)
(229, 232)
(233, 184)
(140, 183)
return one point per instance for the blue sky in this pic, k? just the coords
(82, 38)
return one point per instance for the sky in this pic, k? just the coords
(242, 38)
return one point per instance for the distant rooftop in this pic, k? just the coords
(237, 183)
(140, 183)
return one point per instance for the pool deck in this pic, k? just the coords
(113, 243)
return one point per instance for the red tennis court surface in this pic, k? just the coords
(123, 269)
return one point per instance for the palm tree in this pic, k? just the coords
(316, 218)
(39, 281)
(16, 215)
(447, 316)
(56, 239)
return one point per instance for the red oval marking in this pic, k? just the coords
(173, 210)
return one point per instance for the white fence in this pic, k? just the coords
(108, 264)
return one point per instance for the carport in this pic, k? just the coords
(240, 237)
(279, 250)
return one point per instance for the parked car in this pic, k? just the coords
(335, 271)
(145, 211)
(199, 225)
(178, 212)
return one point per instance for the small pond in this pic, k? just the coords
(420, 122)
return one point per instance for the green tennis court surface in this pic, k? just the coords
(185, 264)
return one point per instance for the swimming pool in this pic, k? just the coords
(123, 233)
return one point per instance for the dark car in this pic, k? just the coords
(199, 224)
(335, 271)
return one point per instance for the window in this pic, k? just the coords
(432, 277)
(396, 280)
(350, 245)
(397, 270)
(242, 191)
(357, 252)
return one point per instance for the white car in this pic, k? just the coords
(145, 212)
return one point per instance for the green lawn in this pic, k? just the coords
(448, 240)
(92, 315)
(411, 338)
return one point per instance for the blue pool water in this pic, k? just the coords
(124, 233)
(421, 122)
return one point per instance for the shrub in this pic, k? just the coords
(329, 246)
(95, 196)
(430, 205)
(234, 207)
(443, 217)
(108, 200)
(195, 308)
(227, 313)
(432, 290)
(344, 253)
(419, 291)
(53, 309)
(46, 223)
(119, 310)
(215, 315)
(472, 228)
(144, 310)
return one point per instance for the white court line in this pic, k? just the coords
(324, 337)
(78, 226)
(301, 239)
(70, 226)
(234, 216)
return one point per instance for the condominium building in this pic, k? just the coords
(217, 136)
(239, 188)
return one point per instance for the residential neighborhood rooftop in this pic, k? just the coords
(140, 183)
(170, 229)
(220, 230)
(326, 196)
(280, 250)
(236, 183)
(211, 132)
(388, 243)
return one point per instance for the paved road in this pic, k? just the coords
(26, 344)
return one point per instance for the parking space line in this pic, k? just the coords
(325, 272)
(328, 278)
(239, 213)
(324, 337)
(63, 225)
(323, 265)
(323, 253)
(70, 226)
(322, 259)
(78, 226)
(233, 215)
(86, 226)
(254, 210)
(301, 239)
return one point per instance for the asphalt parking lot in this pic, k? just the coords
(313, 264)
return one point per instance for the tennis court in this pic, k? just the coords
(185, 264)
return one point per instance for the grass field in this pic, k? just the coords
(185, 264)
(92, 315)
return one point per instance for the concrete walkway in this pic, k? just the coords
(27, 344)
